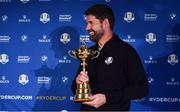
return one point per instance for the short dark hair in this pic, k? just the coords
(101, 12)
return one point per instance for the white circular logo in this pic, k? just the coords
(44, 18)
(65, 38)
(172, 59)
(23, 79)
(4, 58)
(109, 60)
(129, 17)
(150, 38)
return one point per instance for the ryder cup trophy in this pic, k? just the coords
(83, 90)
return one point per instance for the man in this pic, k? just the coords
(117, 76)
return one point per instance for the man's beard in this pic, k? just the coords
(96, 36)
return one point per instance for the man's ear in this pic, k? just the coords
(106, 23)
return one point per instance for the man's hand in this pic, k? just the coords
(82, 78)
(97, 100)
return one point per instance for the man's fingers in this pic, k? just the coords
(82, 78)
(84, 74)
(91, 103)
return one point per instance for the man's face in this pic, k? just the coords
(94, 28)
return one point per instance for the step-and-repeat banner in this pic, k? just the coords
(36, 71)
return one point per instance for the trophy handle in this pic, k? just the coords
(72, 53)
(97, 54)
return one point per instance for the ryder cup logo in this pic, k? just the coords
(23, 79)
(129, 17)
(4, 58)
(172, 59)
(109, 60)
(150, 38)
(44, 18)
(65, 38)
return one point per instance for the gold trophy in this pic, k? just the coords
(83, 90)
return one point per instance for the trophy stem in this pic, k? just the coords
(84, 66)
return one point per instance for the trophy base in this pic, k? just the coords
(82, 100)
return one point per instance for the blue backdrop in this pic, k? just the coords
(36, 71)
